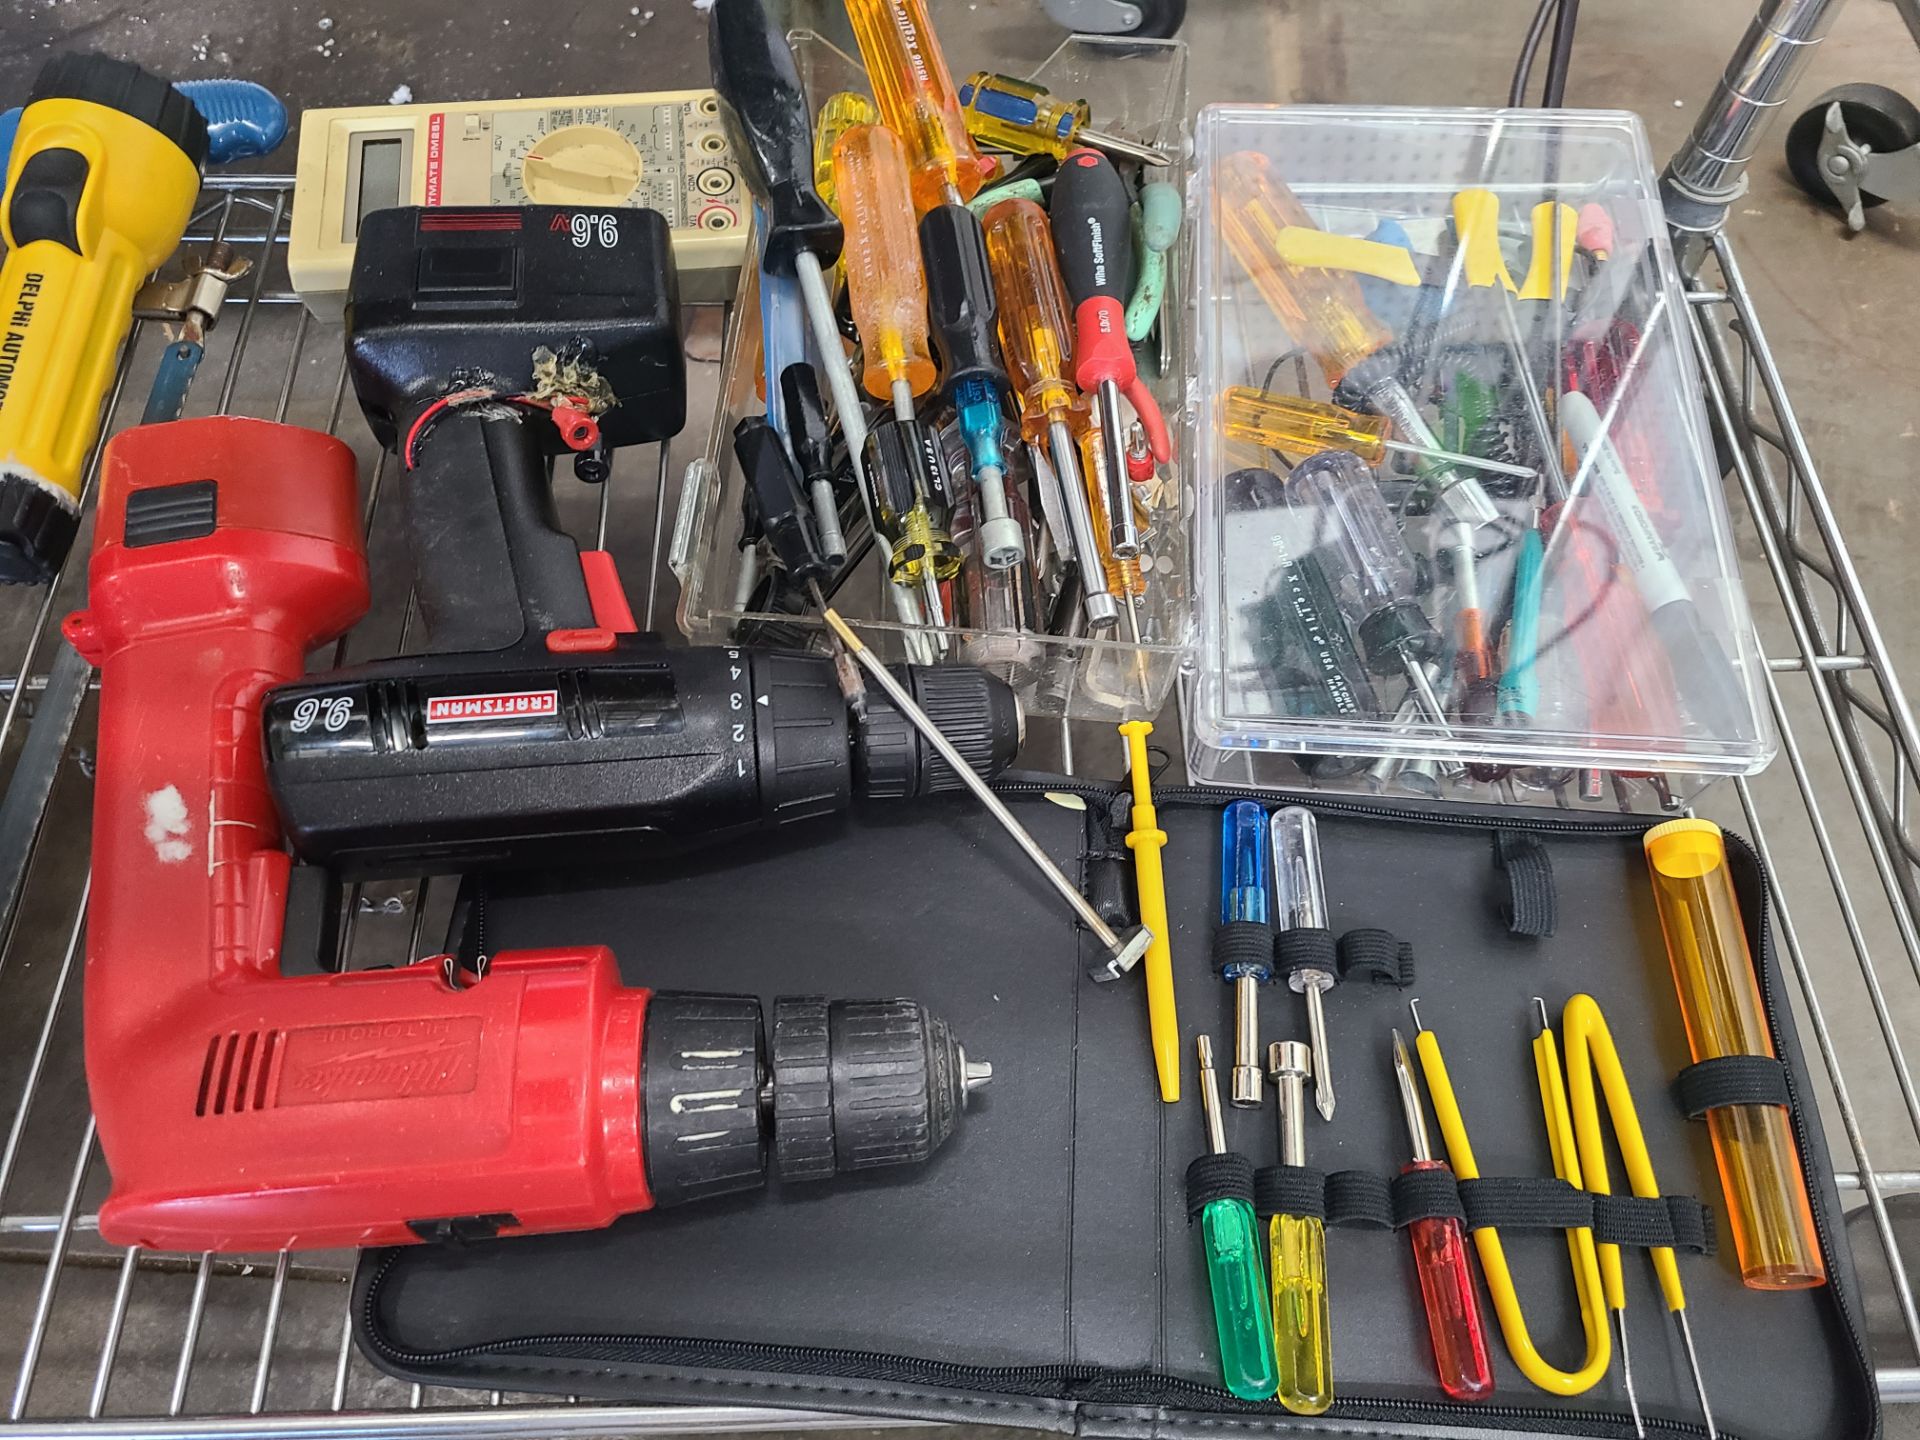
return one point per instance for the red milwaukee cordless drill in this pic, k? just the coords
(247, 1099)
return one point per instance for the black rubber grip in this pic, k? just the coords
(953, 249)
(772, 130)
(806, 418)
(1092, 231)
(773, 493)
(46, 198)
(121, 85)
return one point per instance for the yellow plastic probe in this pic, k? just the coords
(1590, 1050)
(1476, 226)
(918, 99)
(885, 284)
(1322, 309)
(1307, 245)
(1146, 839)
(1720, 1002)
(1486, 1241)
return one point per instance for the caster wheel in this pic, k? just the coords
(1146, 19)
(1877, 117)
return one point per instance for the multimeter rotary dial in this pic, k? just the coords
(591, 164)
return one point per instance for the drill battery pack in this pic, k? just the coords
(519, 300)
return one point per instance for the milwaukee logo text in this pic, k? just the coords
(381, 1060)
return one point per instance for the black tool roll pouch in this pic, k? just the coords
(1040, 1270)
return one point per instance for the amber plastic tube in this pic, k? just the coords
(1760, 1175)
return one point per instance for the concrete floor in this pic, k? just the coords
(1842, 314)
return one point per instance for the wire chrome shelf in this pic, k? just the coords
(127, 1343)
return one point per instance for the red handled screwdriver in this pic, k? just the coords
(1093, 236)
(1440, 1255)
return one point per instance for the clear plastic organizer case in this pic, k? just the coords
(1456, 503)
(1025, 632)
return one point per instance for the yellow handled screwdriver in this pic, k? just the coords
(102, 180)
(918, 100)
(1019, 116)
(1297, 1253)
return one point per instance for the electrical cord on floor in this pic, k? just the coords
(1565, 14)
(1561, 54)
(1523, 68)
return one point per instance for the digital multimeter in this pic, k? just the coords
(667, 151)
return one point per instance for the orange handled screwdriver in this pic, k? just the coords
(1036, 339)
(1323, 311)
(885, 284)
(918, 100)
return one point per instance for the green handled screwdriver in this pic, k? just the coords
(1222, 1196)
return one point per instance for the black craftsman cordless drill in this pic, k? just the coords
(536, 727)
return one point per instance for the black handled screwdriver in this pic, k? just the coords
(953, 247)
(772, 129)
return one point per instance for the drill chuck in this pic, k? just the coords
(846, 1085)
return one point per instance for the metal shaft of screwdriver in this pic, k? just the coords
(903, 702)
(1626, 1373)
(1103, 611)
(1121, 528)
(1699, 1385)
(1300, 903)
(1120, 145)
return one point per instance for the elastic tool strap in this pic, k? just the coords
(1530, 907)
(1730, 1080)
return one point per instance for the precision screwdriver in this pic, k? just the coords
(965, 313)
(1440, 1256)
(1300, 903)
(1019, 116)
(1295, 425)
(1231, 1239)
(1035, 334)
(917, 99)
(1244, 900)
(1323, 311)
(1297, 1253)
(1094, 242)
(1344, 512)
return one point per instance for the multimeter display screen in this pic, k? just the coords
(382, 176)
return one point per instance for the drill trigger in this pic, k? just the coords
(612, 615)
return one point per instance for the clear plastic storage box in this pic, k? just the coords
(1136, 88)
(1456, 504)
